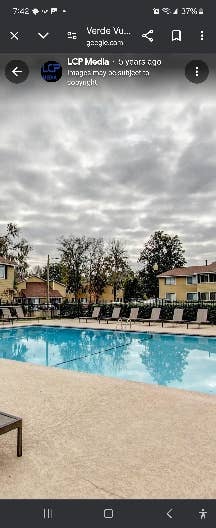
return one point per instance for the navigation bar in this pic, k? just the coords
(112, 513)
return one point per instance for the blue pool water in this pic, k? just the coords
(183, 362)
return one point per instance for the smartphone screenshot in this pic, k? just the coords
(107, 265)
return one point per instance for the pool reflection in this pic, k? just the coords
(164, 359)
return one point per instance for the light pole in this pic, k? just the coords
(155, 268)
(48, 279)
(48, 282)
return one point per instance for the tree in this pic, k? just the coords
(96, 278)
(56, 272)
(117, 265)
(14, 248)
(133, 289)
(161, 253)
(36, 270)
(73, 251)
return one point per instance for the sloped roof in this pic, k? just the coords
(190, 270)
(40, 280)
(30, 276)
(7, 262)
(38, 289)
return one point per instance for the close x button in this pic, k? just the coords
(17, 71)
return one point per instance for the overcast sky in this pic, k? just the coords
(109, 163)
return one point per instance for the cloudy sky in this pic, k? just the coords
(112, 163)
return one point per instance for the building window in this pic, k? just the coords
(212, 277)
(36, 300)
(212, 296)
(192, 279)
(204, 296)
(170, 296)
(203, 278)
(170, 281)
(192, 296)
(2, 272)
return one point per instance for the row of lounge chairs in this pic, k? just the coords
(18, 310)
(202, 317)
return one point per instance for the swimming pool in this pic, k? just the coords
(184, 362)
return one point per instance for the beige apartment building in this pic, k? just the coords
(34, 290)
(106, 297)
(191, 283)
(7, 276)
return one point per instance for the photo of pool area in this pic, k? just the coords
(177, 361)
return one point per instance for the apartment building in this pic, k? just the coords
(191, 283)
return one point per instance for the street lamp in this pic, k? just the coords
(48, 282)
(48, 279)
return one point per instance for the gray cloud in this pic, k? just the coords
(112, 164)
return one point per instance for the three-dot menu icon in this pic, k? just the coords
(197, 71)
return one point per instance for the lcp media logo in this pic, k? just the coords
(51, 71)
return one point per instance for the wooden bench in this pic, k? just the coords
(8, 423)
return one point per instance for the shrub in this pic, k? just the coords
(73, 310)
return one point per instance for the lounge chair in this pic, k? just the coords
(202, 317)
(177, 317)
(115, 315)
(132, 317)
(7, 317)
(8, 423)
(155, 317)
(20, 314)
(134, 314)
(95, 315)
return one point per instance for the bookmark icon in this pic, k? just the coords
(176, 35)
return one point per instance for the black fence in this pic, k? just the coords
(180, 304)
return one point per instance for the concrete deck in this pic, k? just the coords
(204, 330)
(87, 436)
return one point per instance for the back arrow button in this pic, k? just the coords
(16, 71)
(168, 513)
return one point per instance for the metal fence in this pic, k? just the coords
(181, 304)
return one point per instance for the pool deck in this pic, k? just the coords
(88, 436)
